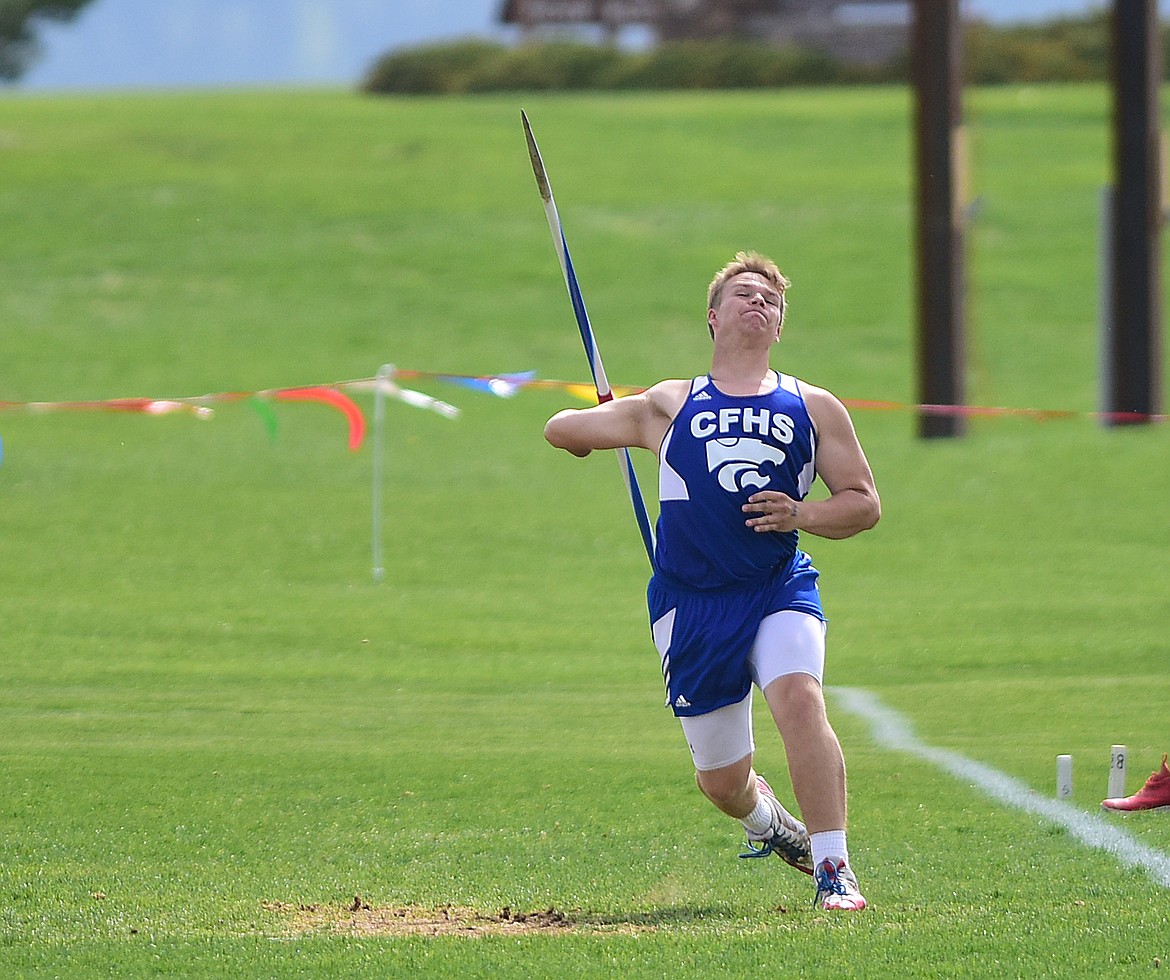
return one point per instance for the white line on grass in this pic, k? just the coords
(893, 731)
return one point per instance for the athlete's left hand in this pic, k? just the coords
(772, 511)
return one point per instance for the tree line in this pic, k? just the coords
(1074, 49)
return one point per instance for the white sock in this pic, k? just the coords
(760, 820)
(829, 844)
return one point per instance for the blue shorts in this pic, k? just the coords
(705, 638)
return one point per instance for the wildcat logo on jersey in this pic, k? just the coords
(739, 463)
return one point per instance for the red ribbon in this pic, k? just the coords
(335, 399)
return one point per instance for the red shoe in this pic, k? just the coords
(1153, 796)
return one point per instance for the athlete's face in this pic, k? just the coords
(748, 302)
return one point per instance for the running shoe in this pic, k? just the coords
(1153, 796)
(837, 887)
(787, 838)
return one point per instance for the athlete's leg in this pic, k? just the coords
(815, 761)
(788, 662)
(721, 747)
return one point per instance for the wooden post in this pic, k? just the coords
(1134, 342)
(941, 336)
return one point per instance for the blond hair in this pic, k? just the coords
(748, 262)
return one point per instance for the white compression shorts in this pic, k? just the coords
(787, 642)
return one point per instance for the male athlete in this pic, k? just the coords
(733, 601)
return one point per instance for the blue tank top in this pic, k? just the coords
(717, 452)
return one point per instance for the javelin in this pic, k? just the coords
(600, 382)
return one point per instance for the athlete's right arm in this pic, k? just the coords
(639, 420)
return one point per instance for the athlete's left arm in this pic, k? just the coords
(852, 506)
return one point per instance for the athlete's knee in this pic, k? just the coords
(726, 786)
(797, 701)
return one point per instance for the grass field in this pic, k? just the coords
(218, 730)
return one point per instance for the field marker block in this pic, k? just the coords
(1063, 777)
(1117, 759)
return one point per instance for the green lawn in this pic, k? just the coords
(212, 716)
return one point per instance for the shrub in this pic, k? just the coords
(431, 69)
(555, 66)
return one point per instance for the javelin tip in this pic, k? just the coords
(538, 170)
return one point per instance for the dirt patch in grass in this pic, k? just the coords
(361, 918)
